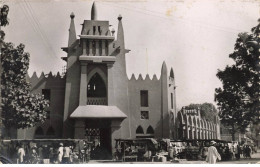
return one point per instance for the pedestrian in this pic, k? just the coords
(248, 151)
(51, 155)
(66, 154)
(60, 153)
(21, 153)
(237, 152)
(34, 158)
(175, 153)
(213, 154)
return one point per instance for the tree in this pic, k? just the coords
(3, 22)
(207, 110)
(238, 99)
(20, 108)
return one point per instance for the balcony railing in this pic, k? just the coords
(97, 101)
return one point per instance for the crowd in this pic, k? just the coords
(81, 151)
(78, 152)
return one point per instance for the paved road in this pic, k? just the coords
(255, 159)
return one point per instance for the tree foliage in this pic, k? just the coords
(20, 108)
(3, 15)
(238, 99)
(207, 110)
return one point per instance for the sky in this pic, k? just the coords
(194, 37)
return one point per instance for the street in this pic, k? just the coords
(255, 158)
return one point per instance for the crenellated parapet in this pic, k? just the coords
(45, 81)
(142, 78)
(35, 77)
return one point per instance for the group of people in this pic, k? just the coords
(242, 150)
(64, 154)
(237, 151)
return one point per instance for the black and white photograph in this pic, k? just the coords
(130, 82)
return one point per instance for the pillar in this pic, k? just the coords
(110, 85)
(90, 48)
(79, 131)
(97, 48)
(83, 84)
(84, 47)
(115, 133)
(103, 48)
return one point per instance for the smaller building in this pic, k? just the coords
(190, 125)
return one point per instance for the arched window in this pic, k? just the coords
(50, 131)
(190, 122)
(139, 130)
(39, 132)
(96, 87)
(150, 130)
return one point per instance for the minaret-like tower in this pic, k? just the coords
(72, 31)
(96, 82)
(164, 102)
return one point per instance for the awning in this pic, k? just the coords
(97, 111)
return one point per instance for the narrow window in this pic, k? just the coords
(46, 93)
(144, 115)
(99, 30)
(144, 98)
(172, 100)
(94, 30)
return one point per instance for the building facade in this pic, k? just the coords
(95, 99)
(190, 125)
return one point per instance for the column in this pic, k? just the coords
(115, 133)
(97, 48)
(79, 131)
(90, 48)
(187, 132)
(84, 47)
(195, 133)
(83, 85)
(103, 48)
(110, 85)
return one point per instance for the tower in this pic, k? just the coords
(95, 67)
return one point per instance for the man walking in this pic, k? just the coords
(213, 154)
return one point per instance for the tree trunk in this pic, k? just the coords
(233, 133)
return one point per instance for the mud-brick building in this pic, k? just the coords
(95, 99)
(190, 125)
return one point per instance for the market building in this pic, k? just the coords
(95, 100)
(190, 125)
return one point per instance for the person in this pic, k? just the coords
(34, 158)
(21, 153)
(51, 154)
(237, 152)
(175, 153)
(213, 154)
(248, 151)
(60, 153)
(66, 154)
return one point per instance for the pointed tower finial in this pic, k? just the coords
(120, 33)
(72, 31)
(94, 12)
(171, 73)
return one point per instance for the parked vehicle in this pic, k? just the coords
(140, 149)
